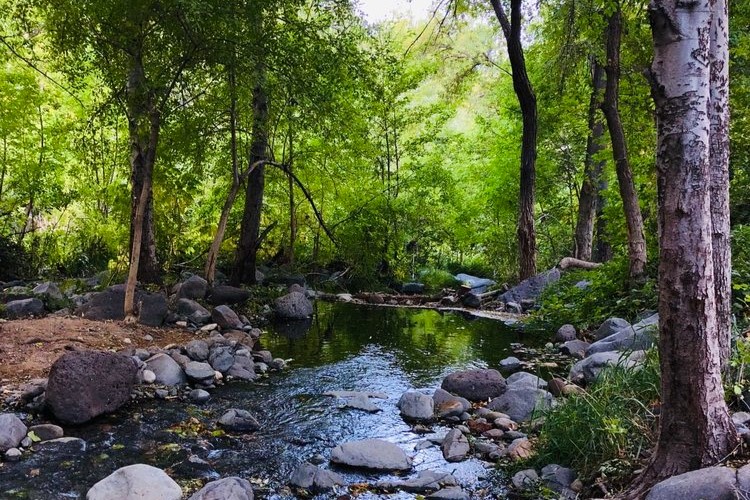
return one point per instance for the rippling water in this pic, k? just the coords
(345, 347)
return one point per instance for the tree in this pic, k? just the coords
(527, 100)
(689, 87)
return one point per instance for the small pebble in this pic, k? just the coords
(127, 341)
(148, 338)
(26, 442)
(149, 377)
(13, 455)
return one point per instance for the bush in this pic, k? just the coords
(604, 430)
(437, 279)
(741, 273)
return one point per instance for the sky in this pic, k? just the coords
(380, 10)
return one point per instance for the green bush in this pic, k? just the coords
(741, 273)
(437, 279)
(604, 430)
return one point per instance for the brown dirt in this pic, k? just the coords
(28, 347)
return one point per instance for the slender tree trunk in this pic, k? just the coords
(5, 166)
(527, 102)
(247, 248)
(695, 429)
(292, 207)
(602, 246)
(610, 106)
(589, 196)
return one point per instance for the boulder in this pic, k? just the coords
(199, 396)
(293, 306)
(239, 421)
(193, 288)
(559, 479)
(104, 305)
(638, 337)
(152, 309)
(199, 372)
(227, 295)
(477, 285)
(416, 406)
(197, 350)
(226, 318)
(714, 483)
(531, 288)
(424, 482)
(526, 479)
(565, 333)
(455, 446)
(166, 369)
(588, 369)
(374, 454)
(85, 384)
(193, 311)
(510, 364)
(525, 380)
(12, 431)
(49, 292)
(221, 358)
(229, 488)
(575, 348)
(475, 385)
(24, 308)
(136, 482)
(310, 477)
(448, 405)
(243, 367)
(609, 327)
(47, 432)
(521, 404)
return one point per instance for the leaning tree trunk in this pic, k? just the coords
(593, 167)
(527, 101)
(695, 429)
(247, 248)
(633, 217)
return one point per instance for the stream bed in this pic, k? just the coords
(345, 347)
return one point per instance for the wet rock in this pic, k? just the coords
(221, 358)
(715, 483)
(525, 380)
(575, 348)
(510, 364)
(12, 431)
(610, 327)
(565, 333)
(475, 385)
(24, 308)
(589, 368)
(455, 446)
(193, 288)
(640, 336)
(197, 350)
(372, 454)
(193, 311)
(85, 384)
(450, 493)
(363, 403)
(525, 480)
(293, 306)
(199, 372)
(416, 406)
(13, 455)
(228, 295)
(167, 370)
(226, 318)
(199, 396)
(152, 309)
(136, 482)
(46, 432)
(229, 488)
(448, 405)
(239, 421)
(310, 477)
(522, 403)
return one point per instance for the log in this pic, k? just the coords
(570, 262)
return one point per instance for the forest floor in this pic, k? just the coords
(28, 347)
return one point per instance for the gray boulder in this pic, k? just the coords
(226, 318)
(225, 294)
(310, 477)
(510, 364)
(239, 421)
(166, 369)
(448, 405)
(85, 384)
(12, 431)
(588, 369)
(372, 454)
(136, 482)
(199, 372)
(559, 479)
(638, 337)
(713, 483)
(475, 385)
(24, 308)
(221, 358)
(197, 350)
(152, 309)
(229, 488)
(565, 333)
(46, 432)
(49, 292)
(525, 480)
(293, 305)
(193, 311)
(243, 368)
(575, 348)
(455, 446)
(610, 327)
(416, 406)
(525, 380)
(193, 288)
(477, 285)
(521, 404)
(531, 288)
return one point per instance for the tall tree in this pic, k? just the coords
(689, 84)
(527, 100)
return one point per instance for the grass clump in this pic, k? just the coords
(602, 432)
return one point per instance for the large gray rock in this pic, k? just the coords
(200, 372)
(575, 348)
(136, 482)
(477, 285)
(221, 358)
(24, 308)
(293, 305)
(372, 454)
(197, 350)
(416, 406)
(109, 304)
(85, 384)
(448, 405)
(225, 294)
(455, 446)
(525, 380)
(152, 309)
(610, 327)
(193, 311)
(522, 403)
(166, 369)
(229, 488)
(531, 288)
(243, 367)
(193, 288)
(12, 431)
(46, 432)
(588, 369)
(475, 385)
(239, 421)
(225, 317)
(49, 292)
(638, 337)
(713, 483)
(559, 479)
(310, 477)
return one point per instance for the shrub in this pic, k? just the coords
(437, 279)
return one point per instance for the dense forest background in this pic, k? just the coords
(403, 138)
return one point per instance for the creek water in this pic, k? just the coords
(345, 347)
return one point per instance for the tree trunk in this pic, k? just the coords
(589, 197)
(247, 248)
(695, 429)
(602, 246)
(610, 106)
(292, 207)
(527, 102)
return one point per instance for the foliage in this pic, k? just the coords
(602, 432)
(741, 273)
(437, 279)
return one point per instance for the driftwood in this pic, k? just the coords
(570, 262)
(478, 299)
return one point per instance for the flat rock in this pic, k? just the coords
(85, 384)
(455, 446)
(374, 454)
(575, 348)
(229, 488)
(136, 482)
(416, 406)
(510, 364)
(477, 285)
(713, 483)
(522, 403)
(166, 369)
(475, 385)
(310, 477)
(293, 305)
(424, 482)
(12, 431)
(520, 449)
(531, 288)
